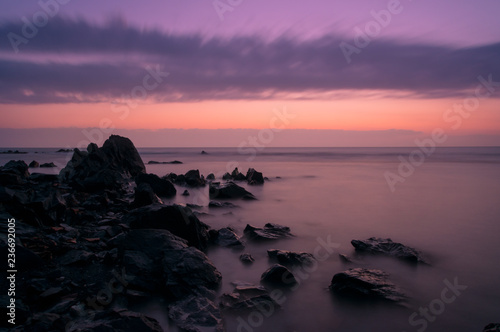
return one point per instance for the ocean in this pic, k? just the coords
(445, 203)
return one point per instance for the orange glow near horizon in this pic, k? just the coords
(347, 114)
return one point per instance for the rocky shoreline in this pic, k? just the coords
(96, 240)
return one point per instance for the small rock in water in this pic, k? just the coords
(226, 237)
(34, 164)
(387, 247)
(253, 177)
(269, 232)
(278, 275)
(48, 165)
(291, 258)
(345, 258)
(185, 193)
(229, 190)
(211, 176)
(215, 204)
(247, 297)
(247, 258)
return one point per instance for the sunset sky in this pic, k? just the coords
(211, 73)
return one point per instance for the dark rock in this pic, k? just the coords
(40, 177)
(203, 152)
(196, 314)
(177, 219)
(228, 190)
(48, 165)
(64, 150)
(269, 232)
(34, 164)
(153, 162)
(13, 152)
(387, 247)
(215, 204)
(14, 173)
(344, 258)
(45, 322)
(493, 327)
(185, 193)
(237, 175)
(227, 176)
(247, 258)
(161, 187)
(108, 167)
(116, 321)
(193, 179)
(211, 176)
(247, 297)
(278, 275)
(291, 258)
(144, 195)
(365, 283)
(77, 257)
(226, 237)
(253, 177)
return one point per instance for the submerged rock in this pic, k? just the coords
(185, 193)
(48, 165)
(215, 204)
(387, 247)
(269, 232)
(211, 176)
(291, 258)
(247, 258)
(278, 275)
(366, 283)
(196, 314)
(247, 297)
(226, 237)
(229, 190)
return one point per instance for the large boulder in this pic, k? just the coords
(253, 177)
(291, 258)
(366, 283)
(179, 220)
(161, 187)
(228, 190)
(269, 232)
(388, 247)
(108, 167)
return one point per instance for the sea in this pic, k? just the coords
(444, 201)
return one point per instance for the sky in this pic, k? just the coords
(215, 73)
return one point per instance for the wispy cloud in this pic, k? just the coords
(52, 67)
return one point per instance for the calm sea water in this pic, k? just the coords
(449, 208)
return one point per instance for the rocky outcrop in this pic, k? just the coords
(254, 178)
(366, 283)
(269, 232)
(388, 247)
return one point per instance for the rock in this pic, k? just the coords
(247, 258)
(211, 176)
(237, 176)
(177, 219)
(34, 164)
(153, 162)
(229, 190)
(493, 327)
(227, 176)
(226, 237)
(269, 232)
(203, 152)
(77, 257)
(45, 322)
(291, 258)
(247, 297)
(48, 165)
(366, 283)
(278, 275)
(196, 314)
(193, 179)
(254, 178)
(108, 167)
(185, 193)
(144, 195)
(215, 204)
(344, 258)
(161, 187)
(40, 177)
(387, 247)
(64, 150)
(115, 321)
(14, 173)
(13, 152)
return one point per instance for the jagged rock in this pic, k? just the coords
(253, 177)
(227, 176)
(226, 237)
(247, 258)
(14, 173)
(269, 232)
(366, 283)
(237, 175)
(161, 187)
(196, 314)
(203, 152)
(177, 219)
(228, 190)
(493, 327)
(144, 195)
(278, 275)
(247, 297)
(387, 247)
(215, 204)
(193, 179)
(291, 258)
(108, 167)
(34, 164)
(48, 165)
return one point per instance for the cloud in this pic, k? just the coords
(73, 60)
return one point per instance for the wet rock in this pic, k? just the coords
(177, 219)
(185, 193)
(226, 237)
(387, 247)
(247, 258)
(253, 177)
(229, 190)
(366, 283)
(108, 167)
(291, 258)
(493, 327)
(144, 195)
(193, 179)
(116, 321)
(269, 232)
(203, 152)
(153, 162)
(215, 204)
(211, 176)
(196, 314)
(48, 165)
(278, 275)
(247, 297)
(227, 176)
(237, 175)
(161, 187)
(34, 164)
